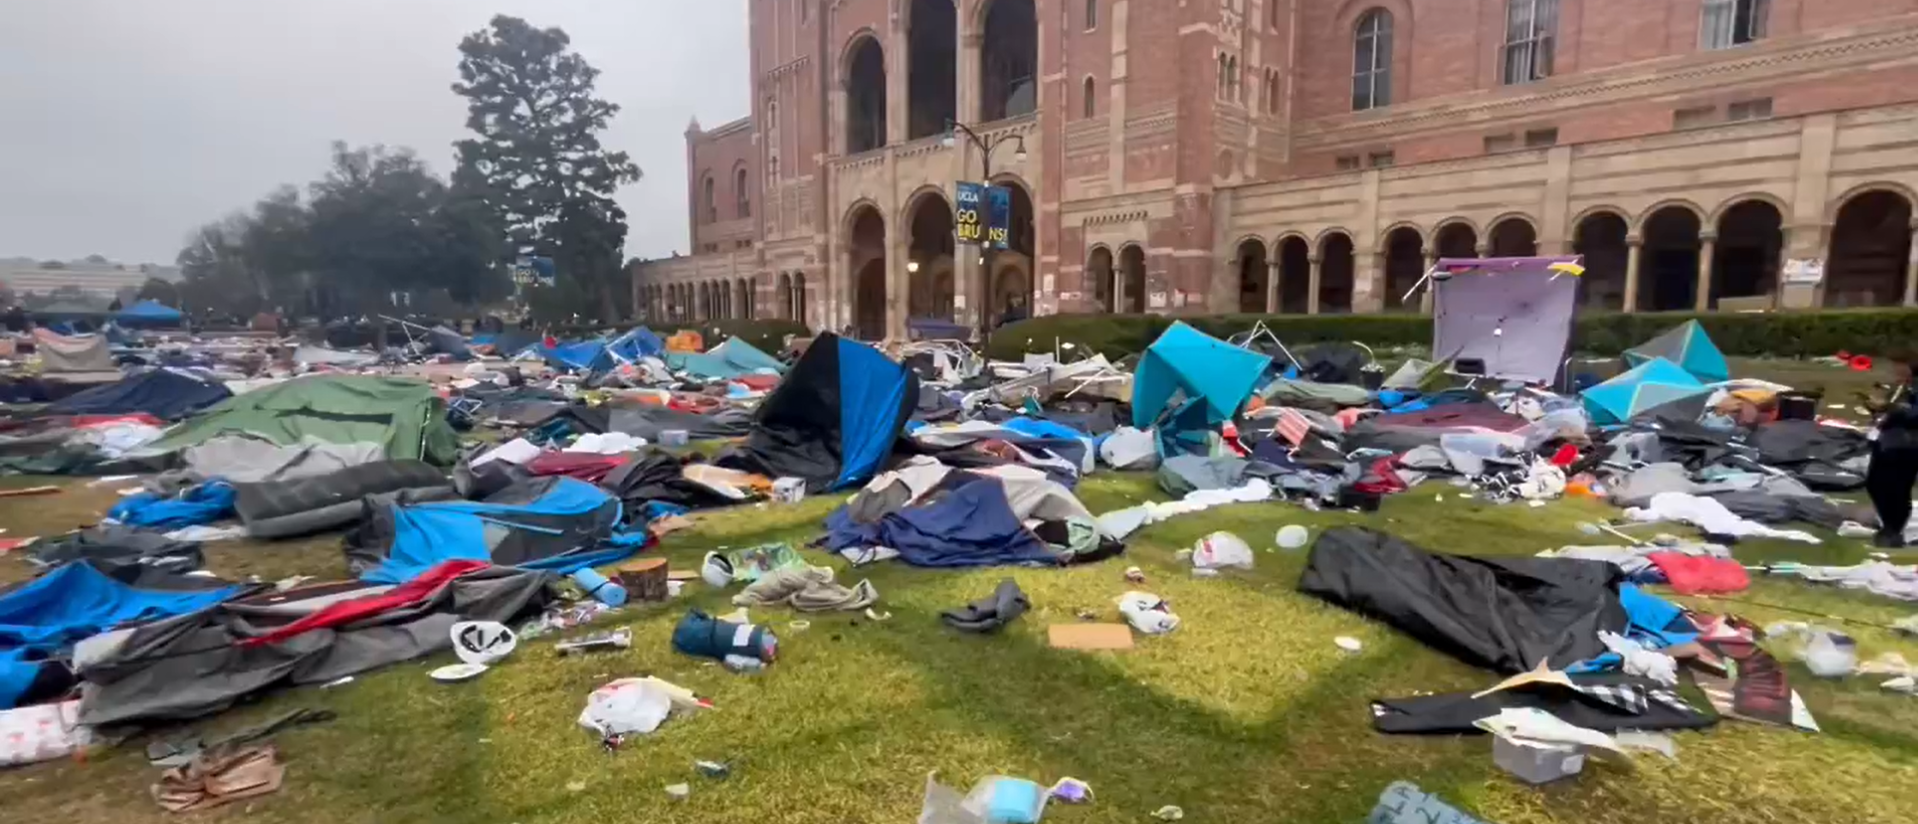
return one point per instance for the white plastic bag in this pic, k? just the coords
(634, 705)
(1147, 613)
(1222, 550)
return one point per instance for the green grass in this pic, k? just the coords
(1247, 713)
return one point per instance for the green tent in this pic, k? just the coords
(403, 414)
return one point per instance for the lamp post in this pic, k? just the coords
(986, 147)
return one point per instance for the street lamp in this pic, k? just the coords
(986, 147)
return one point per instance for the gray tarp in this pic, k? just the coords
(648, 421)
(278, 509)
(251, 460)
(194, 665)
(77, 353)
(1514, 314)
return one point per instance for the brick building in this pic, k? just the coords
(1207, 156)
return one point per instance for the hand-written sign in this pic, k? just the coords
(969, 212)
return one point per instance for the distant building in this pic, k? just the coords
(95, 278)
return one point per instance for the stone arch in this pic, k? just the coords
(1512, 235)
(1644, 217)
(1749, 250)
(784, 289)
(863, 77)
(1132, 279)
(742, 191)
(1338, 262)
(931, 60)
(1591, 211)
(1295, 273)
(1088, 98)
(929, 254)
(743, 298)
(708, 198)
(1838, 203)
(1008, 58)
(1097, 280)
(1318, 240)
(1393, 227)
(1013, 267)
(1870, 262)
(1404, 250)
(1601, 236)
(1717, 215)
(1668, 261)
(866, 252)
(1455, 238)
(1254, 276)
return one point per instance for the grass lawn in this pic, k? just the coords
(1248, 713)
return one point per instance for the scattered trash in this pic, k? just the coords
(216, 779)
(1826, 652)
(1906, 684)
(1222, 550)
(1348, 643)
(799, 626)
(455, 673)
(1651, 741)
(1292, 536)
(36, 490)
(994, 799)
(789, 490)
(1135, 575)
(483, 642)
(713, 769)
(679, 792)
(1168, 813)
(1640, 660)
(1071, 791)
(990, 614)
(1536, 762)
(871, 615)
(1089, 636)
(337, 682)
(1148, 613)
(702, 635)
(1404, 803)
(636, 706)
(575, 786)
(601, 588)
(621, 638)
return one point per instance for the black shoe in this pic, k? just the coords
(1889, 540)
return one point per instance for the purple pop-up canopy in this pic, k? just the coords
(1514, 314)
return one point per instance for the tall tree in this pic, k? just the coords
(537, 158)
(159, 291)
(214, 270)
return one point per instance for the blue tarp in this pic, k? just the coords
(1690, 347)
(832, 420)
(1654, 385)
(556, 524)
(731, 359)
(162, 393)
(76, 601)
(579, 355)
(972, 525)
(1214, 373)
(198, 505)
(150, 313)
(876, 395)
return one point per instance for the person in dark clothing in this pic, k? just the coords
(1894, 457)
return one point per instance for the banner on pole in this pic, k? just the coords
(968, 218)
(999, 217)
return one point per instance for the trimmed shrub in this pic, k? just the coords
(1772, 334)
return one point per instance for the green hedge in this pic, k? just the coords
(1780, 334)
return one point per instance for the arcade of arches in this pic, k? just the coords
(1674, 257)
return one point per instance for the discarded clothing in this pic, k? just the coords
(201, 504)
(1598, 701)
(1876, 577)
(969, 518)
(1506, 614)
(1710, 516)
(703, 635)
(992, 613)
(1693, 575)
(807, 589)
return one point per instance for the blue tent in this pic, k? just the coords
(1210, 372)
(162, 393)
(834, 418)
(41, 618)
(1656, 388)
(150, 313)
(1690, 347)
(731, 359)
(557, 524)
(580, 355)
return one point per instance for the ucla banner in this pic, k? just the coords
(968, 218)
(999, 217)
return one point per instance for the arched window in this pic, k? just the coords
(711, 205)
(1091, 103)
(1223, 74)
(1372, 61)
(1092, 14)
(742, 198)
(1232, 78)
(1529, 29)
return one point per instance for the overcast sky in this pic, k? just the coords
(124, 124)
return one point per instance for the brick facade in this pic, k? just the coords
(1221, 166)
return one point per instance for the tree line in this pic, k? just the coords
(380, 233)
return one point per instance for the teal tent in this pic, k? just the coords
(150, 313)
(1688, 346)
(1210, 374)
(1656, 388)
(731, 359)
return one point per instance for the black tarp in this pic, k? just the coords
(834, 418)
(1506, 614)
(1812, 453)
(658, 476)
(162, 393)
(1585, 706)
(109, 545)
(278, 509)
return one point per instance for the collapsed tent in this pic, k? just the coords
(1690, 347)
(929, 514)
(1506, 318)
(731, 359)
(1657, 388)
(402, 416)
(41, 618)
(557, 524)
(1212, 375)
(76, 353)
(150, 313)
(833, 420)
(1505, 614)
(207, 661)
(280, 509)
(162, 393)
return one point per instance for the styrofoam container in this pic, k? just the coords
(1537, 763)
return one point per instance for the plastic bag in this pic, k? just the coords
(995, 799)
(1222, 550)
(1147, 613)
(635, 705)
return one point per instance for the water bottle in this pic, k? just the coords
(600, 587)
